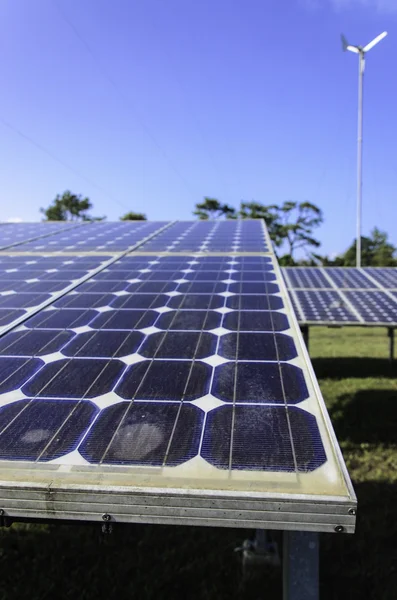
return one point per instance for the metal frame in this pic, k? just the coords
(58, 495)
(300, 565)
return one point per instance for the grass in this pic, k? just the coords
(147, 562)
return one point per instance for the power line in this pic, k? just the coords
(60, 161)
(122, 94)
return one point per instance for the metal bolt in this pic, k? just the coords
(339, 529)
(106, 517)
(352, 511)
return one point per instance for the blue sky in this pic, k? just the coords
(149, 105)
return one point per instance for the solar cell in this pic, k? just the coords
(95, 237)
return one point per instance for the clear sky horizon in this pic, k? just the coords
(151, 105)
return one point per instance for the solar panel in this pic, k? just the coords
(325, 306)
(28, 281)
(374, 306)
(341, 296)
(95, 237)
(210, 236)
(15, 233)
(385, 276)
(173, 381)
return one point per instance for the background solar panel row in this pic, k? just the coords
(13, 233)
(210, 236)
(157, 360)
(95, 237)
(341, 295)
(28, 281)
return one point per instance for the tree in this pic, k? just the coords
(211, 208)
(69, 207)
(133, 216)
(376, 251)
(295, 225)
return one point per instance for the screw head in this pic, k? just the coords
(339, 529)
(352, 511)
(106, 517)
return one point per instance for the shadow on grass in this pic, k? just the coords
(341, 368)
(368, 416)
(142, 562)
(364, 566)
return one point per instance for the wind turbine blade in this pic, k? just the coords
(353, 49)
(344, 42)
(375, 41)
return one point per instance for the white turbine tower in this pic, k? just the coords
(361, 51)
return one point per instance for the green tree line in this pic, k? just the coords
(291, 226)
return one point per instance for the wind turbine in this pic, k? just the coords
(361, 51)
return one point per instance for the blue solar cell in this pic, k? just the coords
(254, 302)
(42, 430)
(165, 380)
(65, 319)
(33, 343)
(104, 344)
(16, 371)
(257, 346)
(173, 344)
(261, 439)
(256, 320)
(124, 319)
(74, 378)
(259, 382)
(190, 319)
(144, 433)
(7, 315)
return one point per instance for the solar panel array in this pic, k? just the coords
(343, 295)
(182, 358)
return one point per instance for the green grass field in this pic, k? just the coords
(147, 562)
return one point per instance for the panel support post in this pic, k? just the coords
(390, 333)
(305, 335)
(300, 565)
